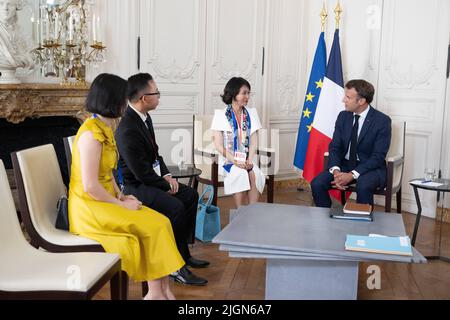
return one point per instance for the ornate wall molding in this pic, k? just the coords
(287, 90)
(174, 73)
(21, 101)
(222, 73)
(413, 78)
(288, 57)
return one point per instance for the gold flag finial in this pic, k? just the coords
(338, 11)
(323, 16)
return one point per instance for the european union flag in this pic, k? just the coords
(312, 98)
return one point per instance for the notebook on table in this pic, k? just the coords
(357, 208)
(353, 211)
(379, 244)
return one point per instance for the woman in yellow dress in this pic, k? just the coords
(99, 211)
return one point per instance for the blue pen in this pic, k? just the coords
(425, 181)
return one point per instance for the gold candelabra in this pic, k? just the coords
(62, 35)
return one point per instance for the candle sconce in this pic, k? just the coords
(62, 35)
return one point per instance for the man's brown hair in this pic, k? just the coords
(363, 88)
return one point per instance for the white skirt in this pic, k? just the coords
(237, 180)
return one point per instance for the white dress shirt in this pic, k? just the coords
(143, 116)
(362, 118)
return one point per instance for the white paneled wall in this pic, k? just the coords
(412, 83)
(121, 23)
(193, 47)
(286, 76)
(234, 44)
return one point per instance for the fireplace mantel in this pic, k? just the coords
(21, 101)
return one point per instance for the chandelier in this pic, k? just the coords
(66, 44)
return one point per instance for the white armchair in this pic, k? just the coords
(395, 166)
(206, 158)
(40, 185)
(29, 273)
(68, 142)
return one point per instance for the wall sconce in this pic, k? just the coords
(62, 35)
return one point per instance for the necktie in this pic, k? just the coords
(354, 142)
(149, 123)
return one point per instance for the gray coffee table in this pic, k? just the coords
(305, 248)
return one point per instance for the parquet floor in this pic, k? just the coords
(244, 279)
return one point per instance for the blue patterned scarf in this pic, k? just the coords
(242, 146)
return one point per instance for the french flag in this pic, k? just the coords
(329, 106)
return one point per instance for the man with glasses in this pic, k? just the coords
(146, 176)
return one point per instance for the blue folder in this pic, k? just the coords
(379, 244)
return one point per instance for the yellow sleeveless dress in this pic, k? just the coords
(143, 238)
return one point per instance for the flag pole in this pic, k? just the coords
(329, 105)
(323, 16)
(338, 11)
(323, 19)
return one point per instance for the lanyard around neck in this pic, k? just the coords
(238, 128)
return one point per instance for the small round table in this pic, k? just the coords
(445, 187)
(189, 172)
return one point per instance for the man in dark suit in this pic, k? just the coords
(357, 153)
(146, 176)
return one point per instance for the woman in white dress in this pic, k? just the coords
(235, 138)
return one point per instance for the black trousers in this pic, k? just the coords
(366, 185)
(181, 209)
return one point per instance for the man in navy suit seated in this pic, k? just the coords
(357, 153)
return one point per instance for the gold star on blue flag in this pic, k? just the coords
(315, 86)
(307, 113)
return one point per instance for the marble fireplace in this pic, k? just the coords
(37, 114)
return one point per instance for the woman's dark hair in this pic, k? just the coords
(233, 88)
(137, 84)
(107, 96)
(363, 88)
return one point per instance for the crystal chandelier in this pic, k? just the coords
(62, 34)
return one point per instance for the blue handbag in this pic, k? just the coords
(208, 217)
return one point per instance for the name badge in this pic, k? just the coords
(240, 157)
(157, 168)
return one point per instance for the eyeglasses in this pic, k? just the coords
(152, 94)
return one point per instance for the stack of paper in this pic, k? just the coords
(379, 244)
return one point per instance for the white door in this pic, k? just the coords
(192, 48)
(412, 84)
(172, 50)
(172, 36)
(234, 47)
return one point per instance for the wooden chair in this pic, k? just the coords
(206, 158)
(29, 273)
(40, 185)
(395, 166)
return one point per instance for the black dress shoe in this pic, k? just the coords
(195, 263)
(185, 276)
